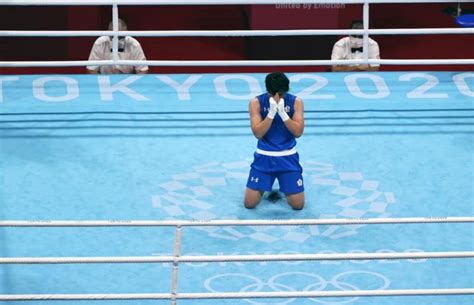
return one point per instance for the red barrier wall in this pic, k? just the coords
(333, 16)
(420, 46)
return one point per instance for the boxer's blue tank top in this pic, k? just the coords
(278, 137)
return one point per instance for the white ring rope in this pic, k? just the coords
(235, 258)
(237, 33)
(366, 31)
(235, 63)
(176, 259)
(232, 222)
(238, 295)
(206, 2)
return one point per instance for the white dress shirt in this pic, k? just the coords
(343, 49)
(130, 49)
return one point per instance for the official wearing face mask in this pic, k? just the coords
(128, 49)
(351, 47)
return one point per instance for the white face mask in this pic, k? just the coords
(121, 43)
(356, 42)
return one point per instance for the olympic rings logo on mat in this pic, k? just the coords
(198, 193)
(298, 281)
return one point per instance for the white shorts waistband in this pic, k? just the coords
(280, 153)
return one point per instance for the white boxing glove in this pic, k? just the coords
(281, 110)
(273, 109)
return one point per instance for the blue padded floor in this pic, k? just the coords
(179, 146)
